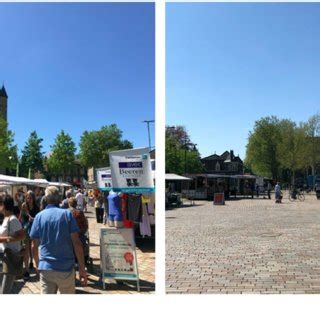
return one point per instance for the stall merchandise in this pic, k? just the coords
(115, 218)
(124, 210)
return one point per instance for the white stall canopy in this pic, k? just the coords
(14, 181)
(60, 184)
(9, 180)
(175, 177)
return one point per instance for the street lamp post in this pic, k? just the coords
(148, 126)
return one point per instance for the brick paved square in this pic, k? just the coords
(246, 246)
(146, 265)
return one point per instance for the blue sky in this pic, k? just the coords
(78, 67)
(230, 64)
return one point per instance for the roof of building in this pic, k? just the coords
(226, 156)
(213, 157)
(3, 92)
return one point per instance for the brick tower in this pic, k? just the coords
(3, 103)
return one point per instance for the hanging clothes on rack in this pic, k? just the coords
(145, 227)
(134, 209)
(151, 207)
(124, 209)
(115, 218)
(106, 206)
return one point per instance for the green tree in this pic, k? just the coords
(262, 154)
(173, 156)
(62, 157)
(32, 155)
(312, 128)
(95, 146)
(181, 153)
(8, 150)
(292, 147)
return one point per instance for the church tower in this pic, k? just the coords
(3, 103)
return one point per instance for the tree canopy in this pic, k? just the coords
(262, 148)
(62, 157)
(96, 145)
(312, 128)
(182, 155)
(277, 145)
(32, 155)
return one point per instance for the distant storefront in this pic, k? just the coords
(222, 174)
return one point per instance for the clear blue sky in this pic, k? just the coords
(230, 64)
(77, 67)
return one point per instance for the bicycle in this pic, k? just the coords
(296, 195)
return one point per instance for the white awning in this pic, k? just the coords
(244, 176)
(41, 182)
(60, 184)
(10, 180)
(4, 179)
(175, 177)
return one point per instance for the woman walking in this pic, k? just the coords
(278, 194)
(99, 206)
(11, 235)
(29, 210)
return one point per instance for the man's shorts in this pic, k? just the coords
(52, 281)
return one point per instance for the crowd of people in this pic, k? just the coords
(41, 232)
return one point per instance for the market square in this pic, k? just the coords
(247, 246)
(242, 183)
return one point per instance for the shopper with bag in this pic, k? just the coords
(11, 235)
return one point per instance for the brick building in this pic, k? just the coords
(226, 163)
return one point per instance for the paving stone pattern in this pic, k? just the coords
(146, 262)
(245, 246)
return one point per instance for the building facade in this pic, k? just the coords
(226, 163)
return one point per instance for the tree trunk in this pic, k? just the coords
(293, 177)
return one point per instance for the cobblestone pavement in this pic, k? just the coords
(246, 246)
(146, 265)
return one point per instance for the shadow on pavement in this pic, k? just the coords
(145, 244)
(115, 285)
(185, 206)
(247, 198)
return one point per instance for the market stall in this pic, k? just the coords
(129, 183)
(176, 188)
(206, 185)
(128, 187)
(19, 185)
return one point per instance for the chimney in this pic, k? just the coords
(231, 155)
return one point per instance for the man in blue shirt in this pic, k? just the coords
(55, 233)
